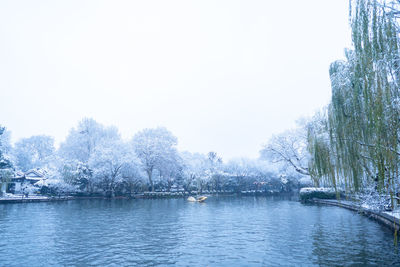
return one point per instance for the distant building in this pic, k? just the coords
(23, 180)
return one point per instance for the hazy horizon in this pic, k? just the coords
(220, 75)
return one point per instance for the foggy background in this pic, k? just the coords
(220, 75)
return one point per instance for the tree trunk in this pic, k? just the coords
(316, 181)
(150, 174)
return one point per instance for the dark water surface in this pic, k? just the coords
(221, 232)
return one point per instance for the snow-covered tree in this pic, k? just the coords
(240, 170)
(171, 170)
(133, 177)
(215, 172)
(56, 182)
(359, 145)
(154, 148)
(5, 149)
(194, 169)
(79, 147)
(256, 174)
(290, 148)
(76, 173)
(108, 161)
(33, 152)
(5, 161)
(82, 141)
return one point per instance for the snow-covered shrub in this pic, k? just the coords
(308, 193)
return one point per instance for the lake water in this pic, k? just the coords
(224, 231)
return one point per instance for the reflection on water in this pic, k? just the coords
(221, 232)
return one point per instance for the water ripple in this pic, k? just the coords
(221, 232)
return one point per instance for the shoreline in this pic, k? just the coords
(385, 218)
(30, 199)
(145, 195)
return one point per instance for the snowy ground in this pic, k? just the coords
(305, 190)
(395, 213)
(20, 196)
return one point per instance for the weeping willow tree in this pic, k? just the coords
(356, 141)
(5, 163)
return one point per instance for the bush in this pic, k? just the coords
(309, 193)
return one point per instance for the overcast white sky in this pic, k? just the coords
(221, 75)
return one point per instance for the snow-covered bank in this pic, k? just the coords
(394, 213)
(309, 193)
(23, 199)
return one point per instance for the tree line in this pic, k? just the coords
(94, 159)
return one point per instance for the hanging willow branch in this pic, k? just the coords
(356, 142)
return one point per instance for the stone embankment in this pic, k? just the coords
(328, 197)
(33, 198)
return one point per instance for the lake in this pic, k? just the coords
(223, 231)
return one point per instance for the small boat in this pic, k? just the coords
(191, 199)
(199, 199)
